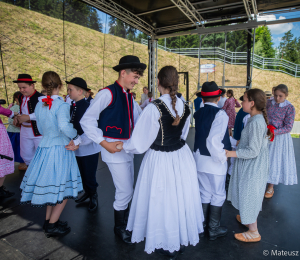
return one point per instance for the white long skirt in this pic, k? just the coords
(166, 207)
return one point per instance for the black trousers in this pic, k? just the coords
(88, 166)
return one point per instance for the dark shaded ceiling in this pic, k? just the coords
(159, 17)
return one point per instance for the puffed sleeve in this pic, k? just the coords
(256, 131)
(145, 131)
(63, 120)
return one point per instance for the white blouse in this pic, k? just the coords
(147, 127)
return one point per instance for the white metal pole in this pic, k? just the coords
(199, 58)
(223, 78)
(252, 59)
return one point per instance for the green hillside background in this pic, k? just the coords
(33, 43)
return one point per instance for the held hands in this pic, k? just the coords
(230, 153)
(23, 118)
(113, 147)
(71, 146)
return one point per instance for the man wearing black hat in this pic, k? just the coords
(110, 119)
(88, 153)
(211, 140)
(29, 134)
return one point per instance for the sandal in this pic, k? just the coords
(269, 193)
(22, 167)
(238, 218)
(248, 236)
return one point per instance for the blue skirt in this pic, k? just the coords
(15, 142)
(51, 177)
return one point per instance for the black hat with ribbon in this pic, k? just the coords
(24, 78)
(210, 90)
(79, 82)
(130, 62)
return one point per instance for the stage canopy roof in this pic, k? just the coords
(163, 18)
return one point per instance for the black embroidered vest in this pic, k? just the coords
(32, 102)
(169, 136)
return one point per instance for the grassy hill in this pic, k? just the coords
(33, 43)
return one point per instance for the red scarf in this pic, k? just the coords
(272, 128)
(48, 101)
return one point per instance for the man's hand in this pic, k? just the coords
(237, 143)
(23, 118)
(16, 122)
(111, 147)
(71, 146)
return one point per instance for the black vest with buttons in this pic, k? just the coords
(77, 111)
(32, 102)
(169, 136)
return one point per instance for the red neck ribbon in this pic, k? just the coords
(272, 128)
(48, 101)
(214, 93)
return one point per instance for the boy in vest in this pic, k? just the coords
(211, 140)
(109, 120)
(87, 154)
(29, 134)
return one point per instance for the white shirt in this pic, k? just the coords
(143, 98)
(27, 131)
(217, 162)
(146, 103)
(221, 102)
(182, 98)
(202, 104)
(147, 127)
(69, 100)
(138, 107)
(89, 124)
(283, 104)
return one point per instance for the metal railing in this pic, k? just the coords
(237, 58)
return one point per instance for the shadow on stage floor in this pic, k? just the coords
(92, 237)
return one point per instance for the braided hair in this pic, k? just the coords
(260, 103)
(168, 79)
(50, 81)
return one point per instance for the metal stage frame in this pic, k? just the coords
(169, 18)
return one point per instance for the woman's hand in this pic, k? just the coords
(237, 143)
(71, 146)
(112, 147)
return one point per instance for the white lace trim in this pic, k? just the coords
(283, 104)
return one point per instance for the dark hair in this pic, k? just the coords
(282, 88)
(260, 103)
(230, 91)
(138, 71)
(150, 95)
(50, 81)
(168, 79)
(16, 96)
(211, 99)
(145, 88)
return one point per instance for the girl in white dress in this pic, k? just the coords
(166, 206)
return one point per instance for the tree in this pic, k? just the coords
(288, 47)
(95, 21)
(263, 40)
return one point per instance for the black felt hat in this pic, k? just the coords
(242, 98)
(210, 89)
(79, 82)
(24, 78)
(130, 62)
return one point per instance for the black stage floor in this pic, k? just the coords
(92, 237)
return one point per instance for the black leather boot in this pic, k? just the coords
(83, 198)
(126, 215)
(54, 230)
(167, 253)
(214, 228)
(59, 222)
(93, 202)
(205, 207)
(5, 193)
(120, 227)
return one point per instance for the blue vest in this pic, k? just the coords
(204, 118)
(238, 124)
(197, 103)
(115, 119)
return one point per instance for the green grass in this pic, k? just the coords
(295, 135)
